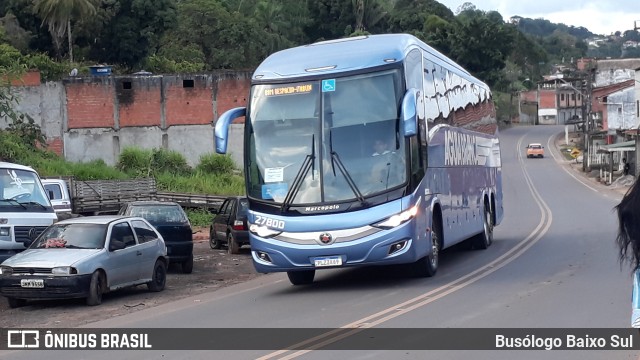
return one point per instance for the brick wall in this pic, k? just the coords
(231, 90)
(56, 145)
(547, 99)
(30, 78)
(188, 100)
(139, 101)
(90, 103)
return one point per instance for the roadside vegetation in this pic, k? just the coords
(22, 142)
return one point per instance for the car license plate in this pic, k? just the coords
(32, 283)
(328, 261)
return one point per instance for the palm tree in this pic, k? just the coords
(368, 13)
(57, 14)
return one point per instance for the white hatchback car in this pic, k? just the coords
(84, 258)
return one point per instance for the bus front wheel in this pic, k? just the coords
(428, 265)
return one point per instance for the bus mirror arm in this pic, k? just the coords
(221, 129)
(411, 104)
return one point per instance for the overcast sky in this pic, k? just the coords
(600, 17)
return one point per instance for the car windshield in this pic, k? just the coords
(72, 236)
(333, 140)
(159, 213)
(21, 190)
(535, 146)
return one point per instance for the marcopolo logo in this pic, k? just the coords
(23, 339)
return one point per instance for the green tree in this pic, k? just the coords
(14, 33)
(481, 45)
(410, 15)
(134, 31)
(331, 19)
(57, 14)
(226, 40)
(369, 13)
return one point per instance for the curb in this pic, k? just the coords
(577, 169)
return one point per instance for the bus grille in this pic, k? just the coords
(22, 232)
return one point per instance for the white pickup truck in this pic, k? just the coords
(58, 193)
(25, 209)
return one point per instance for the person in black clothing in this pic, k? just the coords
(628, 241)
(625, 167)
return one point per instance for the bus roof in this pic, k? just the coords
(348, 54)
(7, 165)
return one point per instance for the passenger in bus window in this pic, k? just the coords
(628, 241)
(380, 147)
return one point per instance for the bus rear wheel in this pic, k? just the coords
(301, 277)
(485, 238)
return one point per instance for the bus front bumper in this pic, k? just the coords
(386, 247)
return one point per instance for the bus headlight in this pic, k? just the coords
(398, 219)
(263, 231)
(5, 231)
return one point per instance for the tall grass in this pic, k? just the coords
(202, 183)
(199, 217)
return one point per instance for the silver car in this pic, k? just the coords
(85, 258)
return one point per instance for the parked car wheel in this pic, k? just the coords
(187, 265)
(16, 303)
(159, 277)
(232, 244)
(214, 243)
(96, 289)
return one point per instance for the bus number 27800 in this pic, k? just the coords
(273, 223)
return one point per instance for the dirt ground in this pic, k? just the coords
(212, 270)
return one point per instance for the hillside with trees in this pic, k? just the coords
(186, 36)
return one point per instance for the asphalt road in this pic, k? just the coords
(553, 264)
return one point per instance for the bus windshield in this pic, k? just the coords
(339, 136)
(21, 190)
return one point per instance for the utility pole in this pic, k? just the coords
(586, 165)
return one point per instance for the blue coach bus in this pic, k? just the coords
(371, 150)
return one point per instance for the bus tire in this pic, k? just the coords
(303, 277)
(428, 265)
(485, 238)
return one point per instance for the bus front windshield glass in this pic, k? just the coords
(21, 190)
(339, 137)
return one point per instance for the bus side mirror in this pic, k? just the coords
(412, 111)
(221, 130)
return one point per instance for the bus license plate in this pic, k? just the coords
(328, 261)
(32, 283)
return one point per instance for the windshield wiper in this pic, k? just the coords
(335, 159)
(307, 164)
(34, 203)
(14, 201)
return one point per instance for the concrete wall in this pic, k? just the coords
(94, 118)
(43, 102)
(611, 71)
(621, 110)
